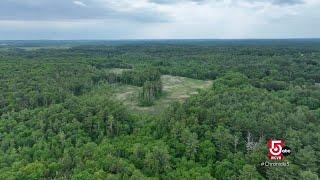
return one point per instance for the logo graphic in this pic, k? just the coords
(277, 149)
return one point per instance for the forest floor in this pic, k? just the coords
(175, 88)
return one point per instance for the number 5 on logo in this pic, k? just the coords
(275, 149)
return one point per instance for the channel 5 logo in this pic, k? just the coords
(277, 149)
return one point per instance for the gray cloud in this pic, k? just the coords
(175, 1)
(72, 10)
(128, 19)
(280, 2)
(275, 2)
(97, 9)
(47, 10)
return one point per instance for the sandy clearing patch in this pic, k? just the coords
(175, 88)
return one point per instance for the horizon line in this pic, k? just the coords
(157, 39)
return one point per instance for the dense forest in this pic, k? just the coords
(59, 118)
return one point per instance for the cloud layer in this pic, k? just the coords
(121, 19)
(75, 10)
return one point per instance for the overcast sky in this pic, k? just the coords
(159, 19)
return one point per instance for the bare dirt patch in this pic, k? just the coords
(175, 88)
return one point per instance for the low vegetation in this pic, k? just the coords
(175, 88)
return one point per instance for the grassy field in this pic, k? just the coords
(117, 70)
(175, 89)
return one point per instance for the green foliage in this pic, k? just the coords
(151, 90)
(308, 175)
(249, 172)
(59, 118)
